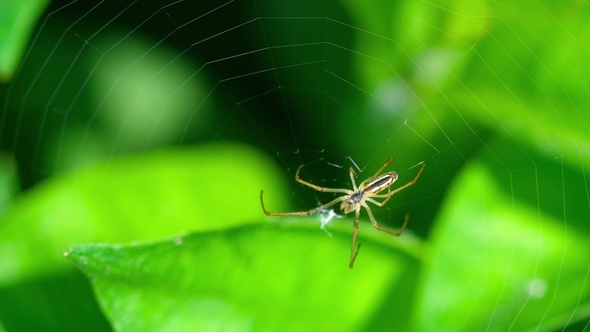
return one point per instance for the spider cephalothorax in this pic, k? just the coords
(354, 199)
(351, 202)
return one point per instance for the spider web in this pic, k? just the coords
(491, 97)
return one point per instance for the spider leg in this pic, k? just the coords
(300, 213)
(355, 230)
(352, 174)
(318, 188)
(391, 193)
(376, 225)
(380, 170)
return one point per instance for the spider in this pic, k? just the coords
(356, 198)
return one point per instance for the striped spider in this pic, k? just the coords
(354, 199)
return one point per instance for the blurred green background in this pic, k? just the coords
(136, 136)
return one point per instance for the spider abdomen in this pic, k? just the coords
(380, 183)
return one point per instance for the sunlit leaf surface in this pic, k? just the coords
(136, 198)
(251, 278)
(499, 262)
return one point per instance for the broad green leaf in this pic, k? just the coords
(498, 262)
(287, 276)
(17, 20)
(135, 198)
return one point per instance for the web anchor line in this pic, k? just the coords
(425, 140)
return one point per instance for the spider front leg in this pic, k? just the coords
(318, 188)
(391, 193)
(300, 213)
(380, 170)
(352, 175)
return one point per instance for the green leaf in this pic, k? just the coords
(17, 20)
(135, 198)
(498, 262)
(288, 276)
